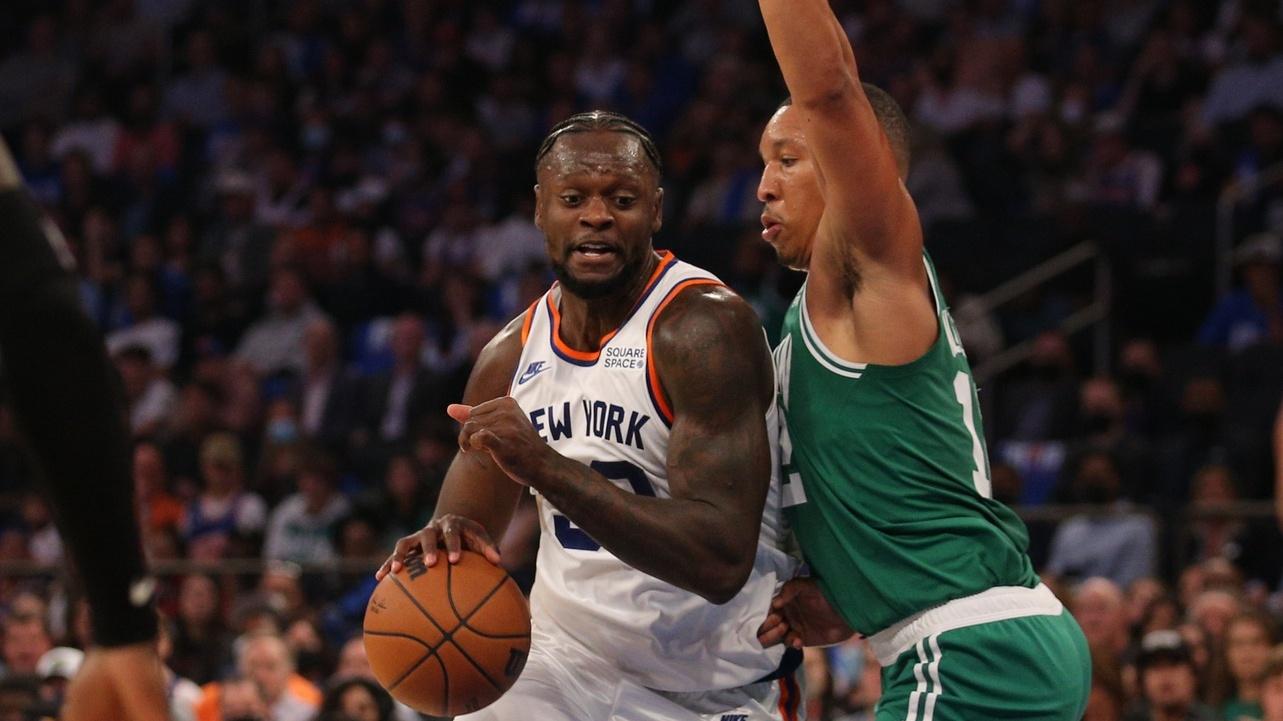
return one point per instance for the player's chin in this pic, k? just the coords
(593, 285)
(790, 257)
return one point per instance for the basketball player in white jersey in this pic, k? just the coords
(635, 400)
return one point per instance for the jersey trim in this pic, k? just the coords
(820, 352)
(529, 321)
(667, 261)
(653, 387)
(1000, 603)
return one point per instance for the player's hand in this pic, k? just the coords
(119, 683)
(801, 616)
(501, 428)
(452, 532)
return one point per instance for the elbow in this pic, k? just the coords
(719, 587)
(836, 93)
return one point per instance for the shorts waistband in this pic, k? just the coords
(996, 604)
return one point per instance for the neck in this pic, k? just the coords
(584, 322)
(1249, 690)
(1170, 713)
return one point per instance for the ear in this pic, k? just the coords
(657, 222)
(538, 206)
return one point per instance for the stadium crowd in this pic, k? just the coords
(298, 222)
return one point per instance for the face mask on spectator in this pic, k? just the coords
(282, 431)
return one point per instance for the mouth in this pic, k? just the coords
(770, 227)
(594, 250)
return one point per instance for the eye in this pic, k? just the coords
(625, 201)
(571, 199)
(788, 161)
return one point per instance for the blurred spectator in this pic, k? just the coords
(159, 335)
(158, 509)
(1169, 687)
(1108, 698)
(201, 642)
(235, 241)
(44, 542)
(146, 142)
(240, 697)
(1113, 540)
(266, 661)
(328, 395)
(184, 694)
(1250, 545)
(1116, 175)
(56, 668)
(90, 130)
(223, 512)
(275, 343)
(301, 527)
(408, 391)
(1040, 404)
(1272, 687)
(18, 695)
(1212, 610)
(360, 699)
(1098, 606)
(1254, 313)
(150, 396)
(196, 97)
(1248, 641)
(38, 80)
(404, 501)
(26, 639)
(1254, 79)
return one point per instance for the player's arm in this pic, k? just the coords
(866, 204)
(66, 398)
(715, 368)
(477, 498)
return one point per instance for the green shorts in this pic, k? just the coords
(1033, 668)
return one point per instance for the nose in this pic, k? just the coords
(768, 187)
(596, 215)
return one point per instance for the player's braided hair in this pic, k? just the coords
(601, 120)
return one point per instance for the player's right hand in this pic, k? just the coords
(119, 683)
(801, 616)
(452, 532)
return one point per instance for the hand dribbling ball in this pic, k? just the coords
(449, 639)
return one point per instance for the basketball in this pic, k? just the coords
(449, 639)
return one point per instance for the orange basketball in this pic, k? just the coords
(450, 639)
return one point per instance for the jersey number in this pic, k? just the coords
(980, 473)
(573, 537)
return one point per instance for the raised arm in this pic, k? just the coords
(715, 368)
(477, 498)
(866, 204)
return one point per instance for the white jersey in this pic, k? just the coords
(606, 411)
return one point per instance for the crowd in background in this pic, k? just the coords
(298, 222)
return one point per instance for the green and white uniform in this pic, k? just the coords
(887, 481)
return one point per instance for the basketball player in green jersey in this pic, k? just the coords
(884, 458)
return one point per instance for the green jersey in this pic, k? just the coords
(887, 477)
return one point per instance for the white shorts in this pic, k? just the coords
(564, 682)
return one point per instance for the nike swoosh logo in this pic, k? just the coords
(531, 372)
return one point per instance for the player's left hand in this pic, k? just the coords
(801, 616)
(501, 428)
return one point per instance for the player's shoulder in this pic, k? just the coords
(497, 362)
(705, 312)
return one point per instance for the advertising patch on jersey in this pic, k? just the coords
(625, 358)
